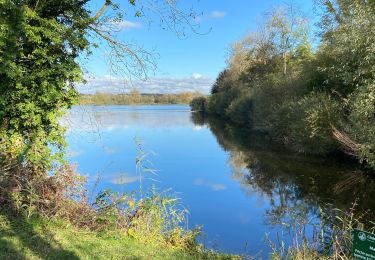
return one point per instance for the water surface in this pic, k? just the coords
(238, 185)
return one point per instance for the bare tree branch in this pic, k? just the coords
(130, 59)
(126, 58)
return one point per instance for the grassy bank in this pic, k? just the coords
(38, 238)
(55, 217)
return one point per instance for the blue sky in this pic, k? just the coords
(189, 64)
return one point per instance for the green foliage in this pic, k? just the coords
(156, 218)
(361, 122)
(39, 44)
(220, 102)
(198, 104)
(305, 124)
(219, 85)
(239, 110)
(315, 101)
(269, 96)
(348, 44)
(159, 218)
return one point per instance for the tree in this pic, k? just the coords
(251, 57)
(271, 49)
(347, 31)
(40, 42)
(348, 46)
(288, 30)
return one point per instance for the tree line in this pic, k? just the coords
(135, 97)
(314, 98)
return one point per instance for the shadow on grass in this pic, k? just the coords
(20, 240)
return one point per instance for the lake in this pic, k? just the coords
(238, 185)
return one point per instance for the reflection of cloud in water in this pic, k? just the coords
(120, 178)
(244, 218)
(213, 186)
(109, 150)
(217, 187)
(111, 118)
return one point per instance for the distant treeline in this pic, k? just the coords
(135, 97)
(316, 100)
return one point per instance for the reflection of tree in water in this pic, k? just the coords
(295, 185)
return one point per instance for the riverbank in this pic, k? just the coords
(136, 98)
(39, 238)
(56, 217)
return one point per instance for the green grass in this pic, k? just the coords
(45, 239)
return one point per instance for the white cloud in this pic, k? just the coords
(163, 85)
(210, 16)
(217, 14)
(124, 25)
(198, 128)
(196, 76)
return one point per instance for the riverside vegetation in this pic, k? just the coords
(134, 97)
(314, 98)
(54, 217)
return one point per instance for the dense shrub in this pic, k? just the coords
(306, 124)
(361, 126)
(239, 111)
(198, 104)
(220, 102)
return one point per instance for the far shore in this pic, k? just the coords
(137, 98)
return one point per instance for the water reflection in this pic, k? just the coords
(112, 118)
(295, 184)
(212, 186)
(237, 184)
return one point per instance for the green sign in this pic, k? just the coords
(363, 245)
